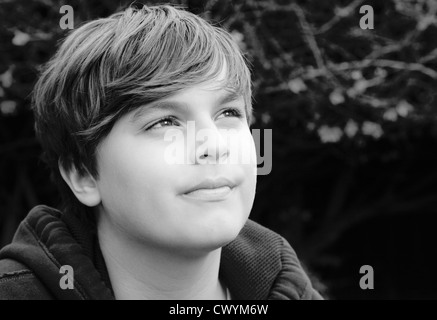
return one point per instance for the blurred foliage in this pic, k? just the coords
(353, 114)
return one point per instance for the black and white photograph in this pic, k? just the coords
(218, 150)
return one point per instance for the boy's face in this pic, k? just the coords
(145, 197)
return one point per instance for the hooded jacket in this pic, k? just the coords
(258, 265)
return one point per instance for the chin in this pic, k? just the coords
(220, 233)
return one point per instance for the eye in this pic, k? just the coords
(164, 122)
(232, 112)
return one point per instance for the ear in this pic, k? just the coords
(84, 187)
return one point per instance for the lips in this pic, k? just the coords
(220, 183)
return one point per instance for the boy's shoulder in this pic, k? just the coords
(17, 282)
(27, 258)
(261, 264)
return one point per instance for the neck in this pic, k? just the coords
(139, 271)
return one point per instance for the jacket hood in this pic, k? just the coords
(258, 264)
(44, 242)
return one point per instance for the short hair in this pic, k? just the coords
(111, 66)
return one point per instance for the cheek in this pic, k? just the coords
(246, 151)
(129, 172)
(248, 163)
(136, 188)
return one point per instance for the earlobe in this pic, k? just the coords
(84, 186)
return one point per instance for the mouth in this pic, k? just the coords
(211, 190)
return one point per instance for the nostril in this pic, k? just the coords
(203, 156)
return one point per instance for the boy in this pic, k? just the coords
(134, 225)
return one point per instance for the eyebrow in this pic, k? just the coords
(228, 97)
(176, 106)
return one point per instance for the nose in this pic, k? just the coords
(210, 145)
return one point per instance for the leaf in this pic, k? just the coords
(8, 107)
(238, 37)
(6, 78)
(20, 38)
(361, 85)
(356, 75)
(329, 134)
(336, 97)
(297, 85)
(372, 129)
(390, 115)
(404, 108)
(265, 118)
(351, 128)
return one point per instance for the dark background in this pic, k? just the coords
(353, 114)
